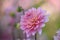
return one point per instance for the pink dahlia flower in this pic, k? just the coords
(33, 21)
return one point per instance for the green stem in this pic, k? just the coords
(35, 36)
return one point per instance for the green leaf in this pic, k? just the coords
(17, 25)
(12, 14)
(19, 9)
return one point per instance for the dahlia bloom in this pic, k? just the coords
(57, 36)
(33, 21)
(8, 22)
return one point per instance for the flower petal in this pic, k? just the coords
(40, 32)
(33, 33)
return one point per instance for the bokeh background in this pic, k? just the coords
(51, 6)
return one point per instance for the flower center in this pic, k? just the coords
(34, 21)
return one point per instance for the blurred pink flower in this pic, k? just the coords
(7, 23)
(57, 36)
(33, 21)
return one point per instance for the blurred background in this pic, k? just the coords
(51, 6)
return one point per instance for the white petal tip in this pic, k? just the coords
(40, 32)
(43, 25)
(33, 34)
(28, 35)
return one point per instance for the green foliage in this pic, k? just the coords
(17, 25)
(39, 4)
(58, 22)
(12, 14)
(51, 27)
(19, 9)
